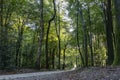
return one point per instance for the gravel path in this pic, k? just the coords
(92, 73)
(33, 76)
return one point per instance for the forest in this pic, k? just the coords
(59, 34)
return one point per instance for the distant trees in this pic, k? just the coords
(94, 31)
(109, 27)
(5, 49)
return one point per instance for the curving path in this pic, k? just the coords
(33, 76)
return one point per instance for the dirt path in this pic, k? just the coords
(91, 73)
(33, 76)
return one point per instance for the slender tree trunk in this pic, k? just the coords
(47, 34)
(85, 46)
(57, 28)
(1, 27)
(76, 61)
(64, 51)
(32, 49)
(59, 42)
(90, 37)
(84, 27)
(53, 59)
(109, 34)
(18, 43)
(117, 54)
(41, 36)
(78, 44)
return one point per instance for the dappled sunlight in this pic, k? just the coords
(47, 35)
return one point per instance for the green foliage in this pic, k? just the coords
(100, 57)
(20, 20)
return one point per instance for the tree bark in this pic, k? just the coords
(84, 27)
(90, 37)
(109, 34)
(41, 36)
(47, 34)
(59, 42)
(77, 35)
(57, 28)
(53, 58)
(117, 54)
(64, 51)
(1, 27)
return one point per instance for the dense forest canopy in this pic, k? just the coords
(59, 34)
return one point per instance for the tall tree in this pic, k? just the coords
(90, 37)
(117, 54)
(59, 42)
(84, 27)
(1, 26)
(41, 35)
(109, 33)
(77, 34)
(47, 34)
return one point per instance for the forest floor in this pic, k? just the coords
(91, 73)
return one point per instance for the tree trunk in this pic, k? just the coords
(53, 59)
(1, 27)
(85, 46)
(77, 35)
(84, 27)
(32, 48)
(47, 34)
(64, 51)
(41, 36)
(109, 34)
(90, 37)
(117, 54)
(59, 42)
(57, 28)
(18, 43)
